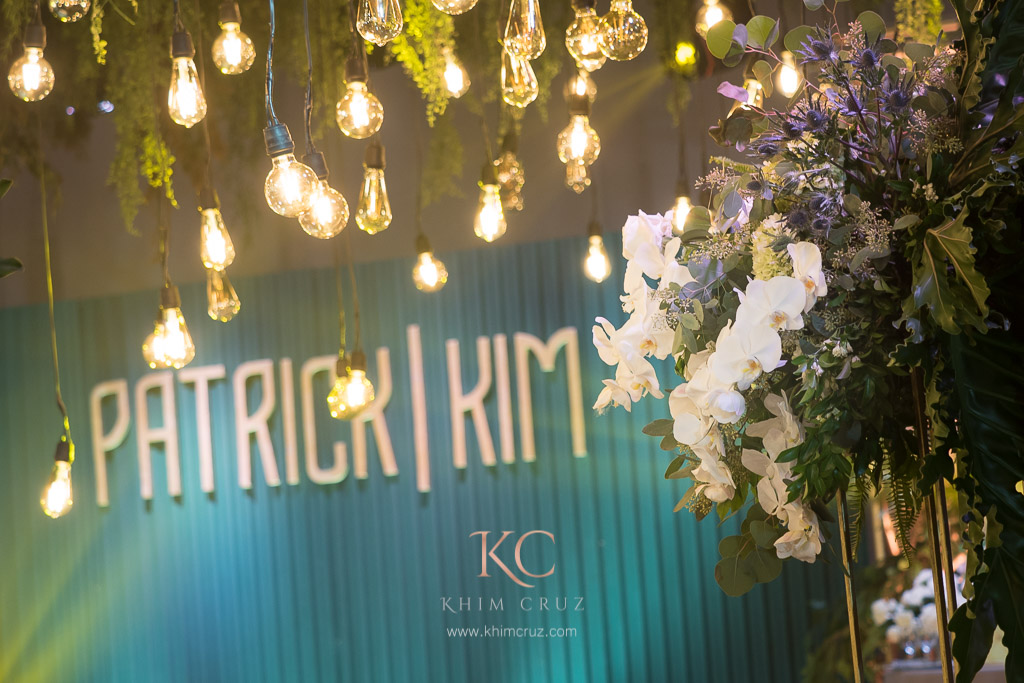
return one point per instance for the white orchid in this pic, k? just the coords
(803, 540)
(651, 260)
(779, 433)
(656, 337)
(742, 353)
(634, 378)
(772, 493)
(613, 345)
(715, 479)
(689, 423)
(614, 395)
(643, 230)
(807, 269)
(717, 399)
(778, 303)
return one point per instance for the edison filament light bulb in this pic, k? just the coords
(328, 212)
(454, 7)
(582, 38)
(524, 32)
(710, 13)
(222, 302)
(755, 93)
(680, 210)
(373, 214)
(577, 176)
(352, 391)
(172, 347)
(509, 171)
(69, 11)
(379, 21)
(580, 83)
(290, 184)
(429, 274)
(152, 347)
(31, 76)
(185, 99)
(489, 223)
(519, 84)
(456, 78)
(233, 52)
(578, 142)
(57, 497)
(359, 113)
(789, 76)
(597, 265)
(215, 247)
(623, 32)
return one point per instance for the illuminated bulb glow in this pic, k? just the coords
(454, 7)
(352, 392)
(489, 223)
(577, 178)
(57, 496)
(359, 113)
(328, 212)
(789, 77)
(709, 14)
(69, 11)
(374, 211)
(755, 93)
(429, 274)
(185, 100)
(379, 21)
(686, 54)
(679, 213)
(623, 33)
(456, 78)
(233, 52)
(289, 186)
(583, 85)
(152, 347)
(578, 141)
(222, 300)
(216, 250)
(174, 348)
(582, 39)
(31, 76)
(519, 84)
(524, 32)
(597, 265)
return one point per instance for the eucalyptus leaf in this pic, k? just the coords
(763, 73)
(795, 38)
(658, 427)
(5, 185)
(762, 32)
(734, 577)
(873, 25)
(919, 52)
(719, 38)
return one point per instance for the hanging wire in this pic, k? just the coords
(341, 300)
(271, 116)
(419, 182)
(310, 147)
(208, 180)
(487, 137)
(357, 343)
(49, 278)
(165, 239)
(179, 25)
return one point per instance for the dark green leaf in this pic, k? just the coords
(658, 428)
(9, 266)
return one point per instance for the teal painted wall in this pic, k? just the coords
(344, 582)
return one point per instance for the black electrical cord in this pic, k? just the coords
(179, 25)
(341, 300)
(357, 342)
(271, 116)
(208, 180)
(165, 240)
(310, 147)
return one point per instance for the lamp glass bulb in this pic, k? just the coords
(429, 274)
(328, 214)
(582, 39)
(680, 210)
(755, 93)
(456, 78)
(174, 348)
(597, 265)
(69, 11)
(152, 347)
(524, 32)
(510, 180)
(289, 186)
(710, 13)
(577, 176)
(519, 84)
(454, 7)
(57, 497)
(579, 141)
(789, 76)
(185, 99)
(379, 21)
(351, 393)
(623, 32)
(359, 113)
(489, 223)
(233, 52)
(216, 249)
(222, 302)
(580, 83)
(31, 76)
(373, 214)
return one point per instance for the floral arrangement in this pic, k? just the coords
(910, 622)
(812, 310)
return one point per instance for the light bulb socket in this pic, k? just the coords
(422, 244)
(510, 142)
(584, 4)
(488, 174)
(318, 163)
(682, 188)
(278, 140)
(341, 366)
(579, 105)
(65, 450)
(170, 297)
(229, 14)
(35, 36)
(358, 360)
(355, 68)
(594, 229)
(375, 155)
(181, 45)
(208, 198)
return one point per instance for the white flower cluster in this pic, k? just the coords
(912, 617)
(715, 379)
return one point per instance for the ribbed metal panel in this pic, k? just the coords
(344, 582)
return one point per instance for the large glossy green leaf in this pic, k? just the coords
(9, 266)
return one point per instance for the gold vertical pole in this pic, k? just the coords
(851, 595)
(945, 546)
(945, 651)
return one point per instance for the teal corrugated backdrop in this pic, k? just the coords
(344, 582)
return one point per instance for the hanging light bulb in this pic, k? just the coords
(57, 497)
(755, 93)
(581, 83)
(510, 173)
(359, 113)
(456, 79)
(489, 223)
(686, 56)
(69, 11)
(222, 302)
(374, 211)
(519, 84)
(710, 13)
(680, 210)
(215, 246)
(583, 36)
(454, 7)
(290, 184)
(429, 273)
(328, 213)
(352, 391)
(577, 176)
(233, 52)
(185, 99)
(578, 141)
(597, 265)
(524, 32)
(31, 76)
(379, 21)
(623, 32)
(170, 345)
(789, 76)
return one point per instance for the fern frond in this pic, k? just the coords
(904, 503)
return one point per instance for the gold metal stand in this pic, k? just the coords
(851, 596)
